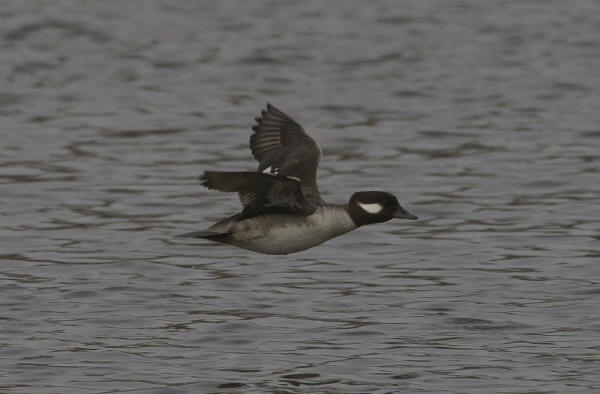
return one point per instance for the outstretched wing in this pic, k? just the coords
(283, 148)
(260, 192)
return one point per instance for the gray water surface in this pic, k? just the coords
(483, 117)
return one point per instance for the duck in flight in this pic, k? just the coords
(282, 208)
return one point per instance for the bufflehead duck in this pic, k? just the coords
(282, 208)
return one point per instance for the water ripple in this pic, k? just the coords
(481, 117)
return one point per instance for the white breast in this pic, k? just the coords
(284, 234)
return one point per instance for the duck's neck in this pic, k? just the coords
(339, 216)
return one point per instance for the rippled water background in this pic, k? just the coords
(483, 117)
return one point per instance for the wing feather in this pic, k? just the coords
(261, 193)
(281, 143)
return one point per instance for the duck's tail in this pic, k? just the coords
(212, 235)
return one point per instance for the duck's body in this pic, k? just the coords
(283, 210)
(280, 233)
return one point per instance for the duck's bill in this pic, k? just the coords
(402, 214)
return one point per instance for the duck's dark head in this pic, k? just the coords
(375, 207)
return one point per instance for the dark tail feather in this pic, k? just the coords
(202, 234)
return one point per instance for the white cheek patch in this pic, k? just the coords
(371, 208)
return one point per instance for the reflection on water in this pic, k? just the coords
(482, 118)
